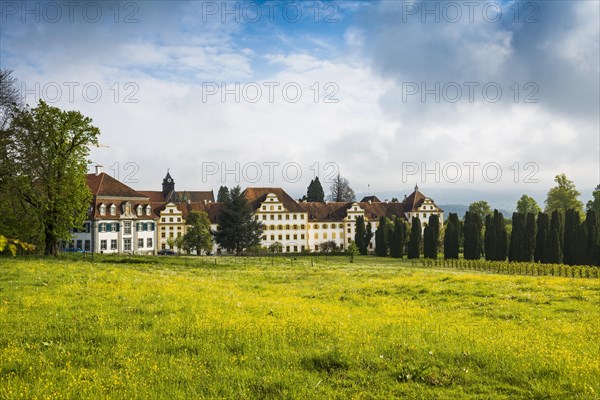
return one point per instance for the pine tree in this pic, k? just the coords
(529, 240)
(315, 191)
(237, 229)
(451, 237)
(414, 243)
(381, 240)
(572, 221)
(543, 225)
(222, 194)
(359, 236)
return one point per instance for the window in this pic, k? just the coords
(149, 242)
(295, 227)
(349, 230)
(114, 227)
(272, 237)
(301, 226)
(279, 208)
(316, 247)
(163, 235)
(295, 216)
(103, 245)
(316, 226)
(295, 237)
(325, 235)
(139, 210)
(287, 237)
(272, 217)
(296, 249)
(171, 210)
(127, 244)
(170, 219)
(349, 240)
(287, 227)
(171, 234)
(302, 248)
(333, 235)
(301, 216)
(79, 244)
(279, 227)
(102, 228)
(264, 208)
(271, 207)
(424, 215)
(287, 216)
(287, 249)
(324, 226)
(279, 216)
(163, 219)
(272, 227)
(113, 209)
(302, 236)
(102, 209)
(113, 244)
(280, 237)
(127, 228)
(140, 242)
(148, 210)
(163, 246)
(178, 219)
(145, 226)
(316, 235)
(264, 217)
(87, 245)
(264, 237)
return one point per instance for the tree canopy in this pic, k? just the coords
(341, 191)
(315, 191)
(237, 230)
(46, 157)
(527, 204)
(198, 236)
(563, 196)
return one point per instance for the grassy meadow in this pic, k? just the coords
(251, 328)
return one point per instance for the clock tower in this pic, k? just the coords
(168, 185)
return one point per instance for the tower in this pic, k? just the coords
(168, 186)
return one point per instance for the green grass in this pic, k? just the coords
(186, 328)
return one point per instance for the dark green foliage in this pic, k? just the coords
(223, 194)
(428, 243)
(593, 231)
(368, 235)
(572, 221)
(516, 251)
(554, 255)
(501, 235)
(315, 191)
(580, 252)
(381, 238)
(529, 240)
(472, 236)
(451, 237)
(414, 244)
(198, 236)
(238, 230)
(556, 224)
(543, 226)
(490, 239)
(398, 238)
(359, 236)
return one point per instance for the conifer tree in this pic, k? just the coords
(581, 244)
(381, 240)
(517, 238)
(315, 191)
(428, 242)
(490, 239)
(359, 236)
(593, 231)
(543, 225)
(399, 239)
(556, 224)
(572, 221)
(554, 249)
(414, 243)
(501, 236)
(368, 236)
(529, 240)
(434, 223)
(451, 237)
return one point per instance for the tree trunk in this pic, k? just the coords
(51, 248)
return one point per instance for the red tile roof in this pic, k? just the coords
(256, 196)
(105, 185)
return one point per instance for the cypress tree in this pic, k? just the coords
(543, 225)
(501, 236)
(470, 245)
(368, 236)
(402, 235)
(414, 243)
(517, 238)
(490, 239)
(554, 249)
(593, 244)
(428, 242)
(359, 236)
(581, 243)
(397, 238)
(451, 237)
(434, 223)
(381, 242)
(530, 235)
(551, 250)
(572, 221)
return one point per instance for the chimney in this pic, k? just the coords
(99, 169)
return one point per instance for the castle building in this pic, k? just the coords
(123, 220)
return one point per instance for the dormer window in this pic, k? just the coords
(102, 209)
(113, 209)
(139, 210)
(148, 210)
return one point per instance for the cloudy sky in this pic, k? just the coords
(459, 97)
